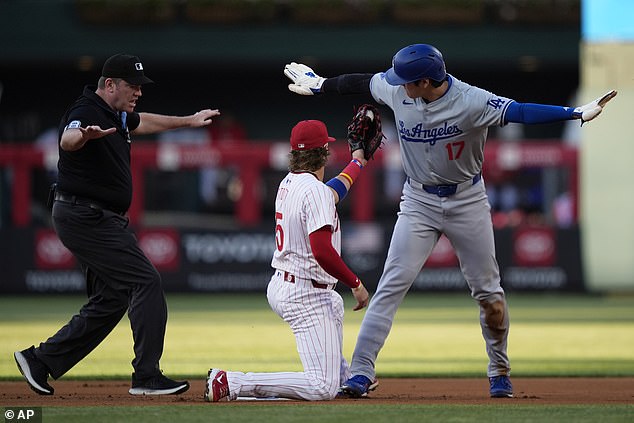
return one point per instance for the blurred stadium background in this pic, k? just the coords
(203, 204)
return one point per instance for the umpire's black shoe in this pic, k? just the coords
(33, 370)
(157, 385)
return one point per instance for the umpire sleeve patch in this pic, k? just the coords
(74, 125)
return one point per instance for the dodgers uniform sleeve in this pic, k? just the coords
(382, 92)
(329, 259)
(531, 113)
(488, 109)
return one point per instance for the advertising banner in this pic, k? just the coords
(530, 258)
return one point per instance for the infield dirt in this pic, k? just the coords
(528, 391)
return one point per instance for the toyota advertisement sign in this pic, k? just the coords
(530, 258)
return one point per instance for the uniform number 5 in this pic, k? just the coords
(454, 149)
(279, 232)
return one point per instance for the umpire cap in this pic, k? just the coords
(416, 62)
(127, 67)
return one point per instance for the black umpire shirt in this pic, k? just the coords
(100, 170)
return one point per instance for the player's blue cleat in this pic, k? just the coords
(358, 386)
(501, 387)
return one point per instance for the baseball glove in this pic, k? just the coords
(364, 132)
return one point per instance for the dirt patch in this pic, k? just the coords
(528, 391)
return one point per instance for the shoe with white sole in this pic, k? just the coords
(33, 370)
(157, 385)
(217, 386)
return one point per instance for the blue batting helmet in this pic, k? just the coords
(416, 62)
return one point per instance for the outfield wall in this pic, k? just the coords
(531, 258)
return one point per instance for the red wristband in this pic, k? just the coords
(352, 171)
(357, 283)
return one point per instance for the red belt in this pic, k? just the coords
(291, 278)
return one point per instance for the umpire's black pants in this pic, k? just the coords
(119, 277)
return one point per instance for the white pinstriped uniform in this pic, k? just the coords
(306, 204)
(303, 205)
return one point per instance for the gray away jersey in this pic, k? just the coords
(442, 142)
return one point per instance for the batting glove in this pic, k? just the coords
(305, 81)
(593, 109)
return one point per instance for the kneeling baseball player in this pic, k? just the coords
(307, 265)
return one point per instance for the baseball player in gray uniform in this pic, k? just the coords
(307, 265)
(442, 126)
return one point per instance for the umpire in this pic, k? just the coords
(94, 191)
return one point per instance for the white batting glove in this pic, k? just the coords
(305, 80)
(593, 109)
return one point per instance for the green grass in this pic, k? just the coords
(433, 335)
(342, 413)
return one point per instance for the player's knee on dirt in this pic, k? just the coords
(323, 388)
(494, 312)
(325, 393)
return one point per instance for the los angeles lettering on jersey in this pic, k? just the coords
(418, 134)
